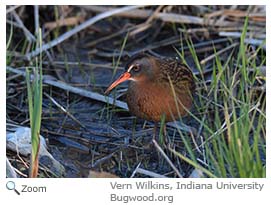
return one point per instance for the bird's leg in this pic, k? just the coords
(162, 131)
(155, 137)
(165, 135)
(155, 130)
(162, 135)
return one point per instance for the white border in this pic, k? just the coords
(268, 100)
(3, 92)
(96, 191)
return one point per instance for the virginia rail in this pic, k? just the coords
(157, 87)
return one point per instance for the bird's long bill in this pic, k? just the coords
(125, 76)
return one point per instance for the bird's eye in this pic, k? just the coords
(136, 67)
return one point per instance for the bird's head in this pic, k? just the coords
(139, 68)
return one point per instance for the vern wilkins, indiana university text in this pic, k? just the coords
(187, 185)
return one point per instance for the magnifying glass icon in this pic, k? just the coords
(11, 186)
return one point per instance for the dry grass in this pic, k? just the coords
(85, 47)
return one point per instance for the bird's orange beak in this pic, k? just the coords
(125, 76)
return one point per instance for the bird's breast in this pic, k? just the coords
(151, 101)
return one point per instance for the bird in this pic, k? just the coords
(158, 87)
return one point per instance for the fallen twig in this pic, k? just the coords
(77, 29)
(149, 173)
(147, 24)
(253, 41)
(12, 8)
(197, 173)
(167, 17)
(89, 94)
(73, 63)
(238, 34)
(64, 110)
(205, 60)
(30, 37)
(166, 158)
(71, 21)
(10, 170)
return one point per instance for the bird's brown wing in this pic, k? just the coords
(178, 73)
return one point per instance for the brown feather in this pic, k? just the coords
(168, 92)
